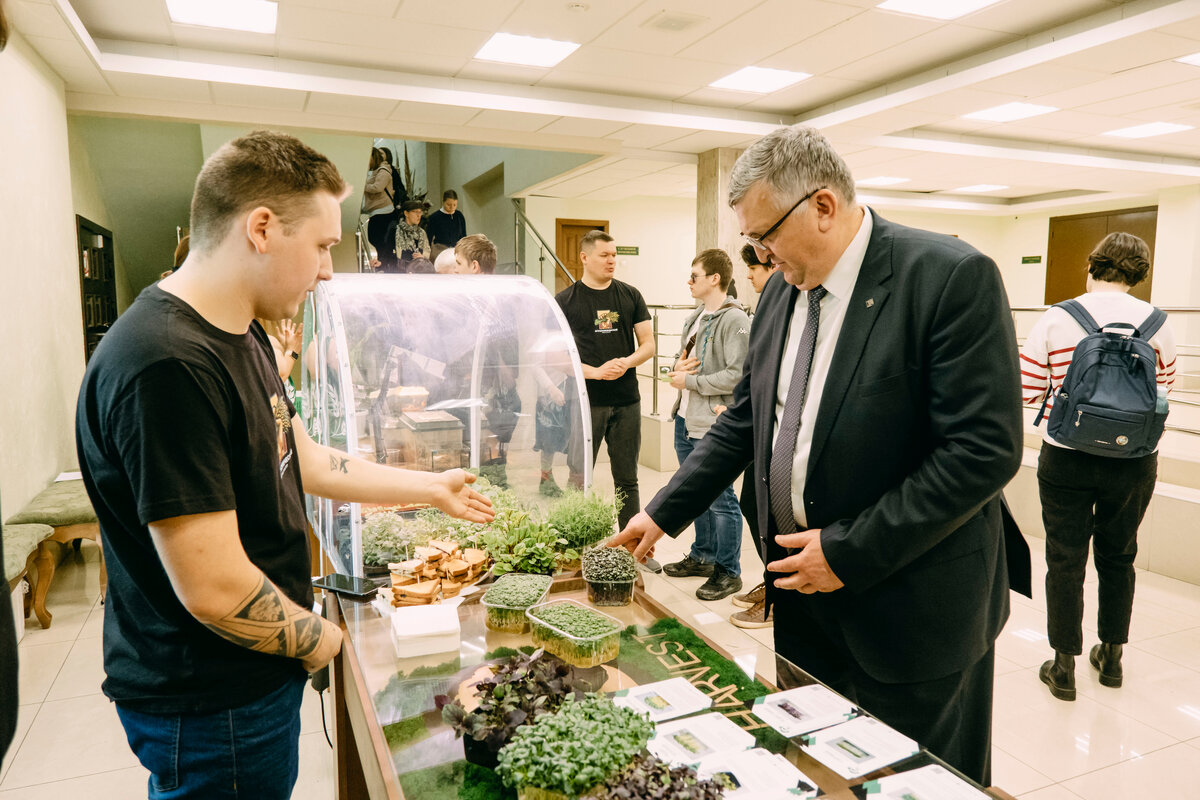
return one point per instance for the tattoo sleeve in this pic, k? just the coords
(268, 622)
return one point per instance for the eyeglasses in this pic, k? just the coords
(693, 277)
(760, 241)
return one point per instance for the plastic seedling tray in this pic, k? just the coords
(508, 616)
(609, 593)
(587, 650)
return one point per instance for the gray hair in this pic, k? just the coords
(791, 161)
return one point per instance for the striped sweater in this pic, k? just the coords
(1048, 350)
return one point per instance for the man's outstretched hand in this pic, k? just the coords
(639, 536)
(452, 493)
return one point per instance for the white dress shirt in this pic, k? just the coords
(839, 285)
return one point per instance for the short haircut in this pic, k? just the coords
(1120, 258)
(263, 168)
(750, 256)
(420, 266)
(412, 205)
(588, 242)
(716, 262)
(449, 194)
(478, 247)
(444, 262)
(792, 162)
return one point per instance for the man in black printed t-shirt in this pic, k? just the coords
(196, 464)
(612, 330)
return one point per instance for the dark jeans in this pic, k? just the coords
(1088, 498)
(621, 427)
(247, 752)
(719, 527)
(951, 716)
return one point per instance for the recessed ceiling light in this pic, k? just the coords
(529, 51)
(937, 9)
(980, 187)
(256, 16)
(1149, 129)
(1009, 112)
(1193, 59)
(882, 180)
(759, 79)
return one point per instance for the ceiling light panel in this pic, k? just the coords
(256, 16)
(936, 9)
(882, 180)
(1010, 112)
(1149, 129)
(979, 188)
(1193, 59)
(760, 80)
(529, 51)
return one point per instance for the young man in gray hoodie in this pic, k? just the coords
(712, 348)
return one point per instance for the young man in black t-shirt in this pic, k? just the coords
(196, 465)
(613, 332)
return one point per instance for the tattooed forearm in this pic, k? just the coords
(267, 621)
(338, 464)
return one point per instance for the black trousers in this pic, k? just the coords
(950, 716)
(621, 427)
(749, 505)
(1098, 500)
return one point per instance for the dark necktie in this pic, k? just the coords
(784, 451)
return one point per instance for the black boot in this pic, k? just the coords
(722, 583)
(1059, 675)
(1107, 659)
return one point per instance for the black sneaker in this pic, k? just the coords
(722, 584)
(688, 568)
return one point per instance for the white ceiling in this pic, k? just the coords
(888, 88)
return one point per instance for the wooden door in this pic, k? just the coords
(1073, 238)
(567, 235)
(97, 282)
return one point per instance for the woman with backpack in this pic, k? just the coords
(1101, 365)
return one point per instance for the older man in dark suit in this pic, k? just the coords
(880, 404)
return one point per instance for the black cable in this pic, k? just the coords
(321, 697)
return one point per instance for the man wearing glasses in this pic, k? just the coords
(880, 404)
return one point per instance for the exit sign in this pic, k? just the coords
(627, 251)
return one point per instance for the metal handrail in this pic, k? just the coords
(364, 252)
(654, 309)
(519, 217)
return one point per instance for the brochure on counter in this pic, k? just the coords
(926, 783)
(857, 747)
(803, 710)
(686, 741)
(758, 774)
(664, 700)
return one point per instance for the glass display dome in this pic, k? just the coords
(436, 372)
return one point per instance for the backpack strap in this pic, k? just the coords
(1080, 315)
(1153, 322)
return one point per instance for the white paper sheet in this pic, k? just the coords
(925, 783)
(687, 740)
(664, 700)
(857, 747)
(802, 710)
(757, 774)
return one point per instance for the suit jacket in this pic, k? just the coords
(918, 430)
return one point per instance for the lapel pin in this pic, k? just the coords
(870, 302)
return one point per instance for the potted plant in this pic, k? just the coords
(519, 542)
(610, 573)
(521, 689)
(584, 519)
(565, 754)
(575, 633)
(649, 777)
(385, 538)
(508, 598)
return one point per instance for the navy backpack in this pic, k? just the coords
(1108, 402)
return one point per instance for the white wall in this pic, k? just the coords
(662, 228)
(40, 323)
(88, 200)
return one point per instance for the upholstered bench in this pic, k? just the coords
(20, 543)
(64, 506)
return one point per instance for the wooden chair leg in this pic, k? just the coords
(45, 570)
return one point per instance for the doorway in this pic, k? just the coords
(97, 282)
(567, 235)
(1073, 238)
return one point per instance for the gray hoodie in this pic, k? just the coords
(721, 344)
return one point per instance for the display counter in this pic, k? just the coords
(391, 741)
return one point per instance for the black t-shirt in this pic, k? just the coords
(602, 323)
(446, 228)
(177, 417)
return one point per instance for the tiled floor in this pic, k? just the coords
(1140, 741)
